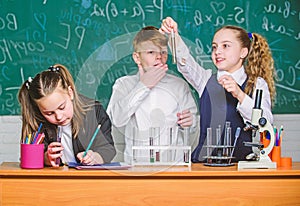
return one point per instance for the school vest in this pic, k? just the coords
(216, 107)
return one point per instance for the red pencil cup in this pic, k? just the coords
(32, 156)
(276, 155)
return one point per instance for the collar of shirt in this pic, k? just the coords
(239, 75)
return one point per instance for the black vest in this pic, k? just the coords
(216, 107)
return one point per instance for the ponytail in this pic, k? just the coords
(29, 110)
(260, 63)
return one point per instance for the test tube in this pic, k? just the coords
(227, 141)
(151, 150)
(134, 143)
(157, 143)
(185, 143)
(154, 140)
(218, 140)
(208, 142)
(209, 136)
(218, 135)
(170, 152)
(151, 136)
(58, 139)
(173, 47)
(227, 125)
(175, 142)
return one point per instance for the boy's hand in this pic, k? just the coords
(153, 75)
(185, 118)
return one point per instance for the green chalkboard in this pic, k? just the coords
(93, 39)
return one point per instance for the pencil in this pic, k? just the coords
(92, 140)
(39, 130)
(29, 139)
(37, 134)
(281, 135)
(40, 138)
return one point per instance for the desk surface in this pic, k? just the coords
(149, 186)
(196, 170)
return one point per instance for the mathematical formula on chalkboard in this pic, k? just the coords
(94, 40)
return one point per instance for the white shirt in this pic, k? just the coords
(198, 77)
(66, 141)
(134, 108)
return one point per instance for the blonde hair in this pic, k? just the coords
(149, 33)
(259, 61)
(44, 84)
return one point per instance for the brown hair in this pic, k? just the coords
(41, 85)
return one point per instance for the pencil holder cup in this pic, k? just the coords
(32, 156)
(286, 162)
(276, 155)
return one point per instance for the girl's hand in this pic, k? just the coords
(229, 84)
(185, 118)
(91, 158)
(54, 151)
(167, 25)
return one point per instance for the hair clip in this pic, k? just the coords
(250, 35)
(53, 69)
(28, 82)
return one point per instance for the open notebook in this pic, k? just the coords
(107, 166)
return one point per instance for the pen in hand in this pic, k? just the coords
(92, 140)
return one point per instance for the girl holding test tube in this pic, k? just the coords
(244, 64)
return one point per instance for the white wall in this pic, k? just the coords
(10, 127)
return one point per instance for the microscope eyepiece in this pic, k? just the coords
(258, 97)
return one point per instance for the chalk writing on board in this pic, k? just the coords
(291, 79)
(287, 12)
(88, 37)
(236, 16)
(110, 10)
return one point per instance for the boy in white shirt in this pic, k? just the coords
(151, 98)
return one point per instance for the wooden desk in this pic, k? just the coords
(155, 186)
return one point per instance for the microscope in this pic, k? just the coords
(260, 158)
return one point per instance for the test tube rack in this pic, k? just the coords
(219, 154)
(222, 155)
(171, 150)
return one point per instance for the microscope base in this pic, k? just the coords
(256, 165)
